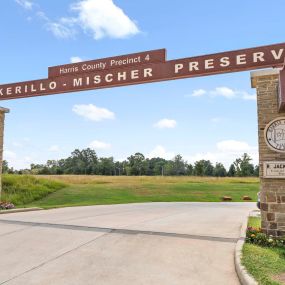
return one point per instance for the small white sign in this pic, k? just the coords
(274, 169)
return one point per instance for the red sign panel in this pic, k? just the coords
(233, 61)
(152, 56)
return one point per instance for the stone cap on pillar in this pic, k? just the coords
(262, 73)
(279, 73)
(4, 110)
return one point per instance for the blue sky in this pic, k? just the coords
(209, 117)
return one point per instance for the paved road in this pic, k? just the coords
(154, 243)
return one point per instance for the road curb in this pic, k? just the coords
(243, 275)
(2, 212)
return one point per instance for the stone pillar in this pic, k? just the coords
(2, 119)
(272, 190)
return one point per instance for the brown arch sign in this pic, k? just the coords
(145, 67)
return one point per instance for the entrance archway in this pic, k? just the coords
(152, 66)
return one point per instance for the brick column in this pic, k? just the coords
(2, 119)
(272, 190)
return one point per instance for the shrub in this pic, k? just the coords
(255, 236)
(6, 206)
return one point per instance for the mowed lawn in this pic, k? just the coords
(98, 190)
(266, 264)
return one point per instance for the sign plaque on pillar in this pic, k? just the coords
(274, 169)
(274, 134)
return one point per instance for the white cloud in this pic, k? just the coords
(27, 159)
(198, 93)
(233, 146)
(213, 157)
(60, 31)
(15, 161)
(75, 59)
(99, 145)
(104, 19)
(247, 96)
(101, 18)
(226, 152)
(8, 154)
(160, 151)
(165, 124)
(54, 148)
(93, 113)
(225, 92)
(25, 4)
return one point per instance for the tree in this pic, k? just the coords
(136, 163)
(189, 169)
(243, 166)
(209, 168)
(203, 168)
(219, 170)
(6, 168)
(169, 168)
(155, 166)
(119, 168)
(232, 171)
(38, 169)
(179, 166)
(84, 161)
(199, 168)
(106, 166)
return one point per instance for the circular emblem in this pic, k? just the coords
(275, 134)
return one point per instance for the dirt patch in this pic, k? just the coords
(280, 278)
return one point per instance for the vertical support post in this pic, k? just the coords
(272, 187)
(3, 111)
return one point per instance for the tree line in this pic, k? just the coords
(86, 162)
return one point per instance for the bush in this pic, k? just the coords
(6, 206)
(255, 236)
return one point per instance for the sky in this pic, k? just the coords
(213, 117)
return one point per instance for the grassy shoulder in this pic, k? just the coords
(265, 264)
(98, 190)
(23, 189)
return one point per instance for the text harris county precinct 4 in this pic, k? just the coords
(153, 56)
(86, 67)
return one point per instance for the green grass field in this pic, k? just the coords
(98, 190)
(265, 264)
(71, 190)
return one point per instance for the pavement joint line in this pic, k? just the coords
(121, 231)
(52, 259)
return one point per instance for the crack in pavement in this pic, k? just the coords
(121, 231)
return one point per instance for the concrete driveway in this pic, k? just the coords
(153, 243)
